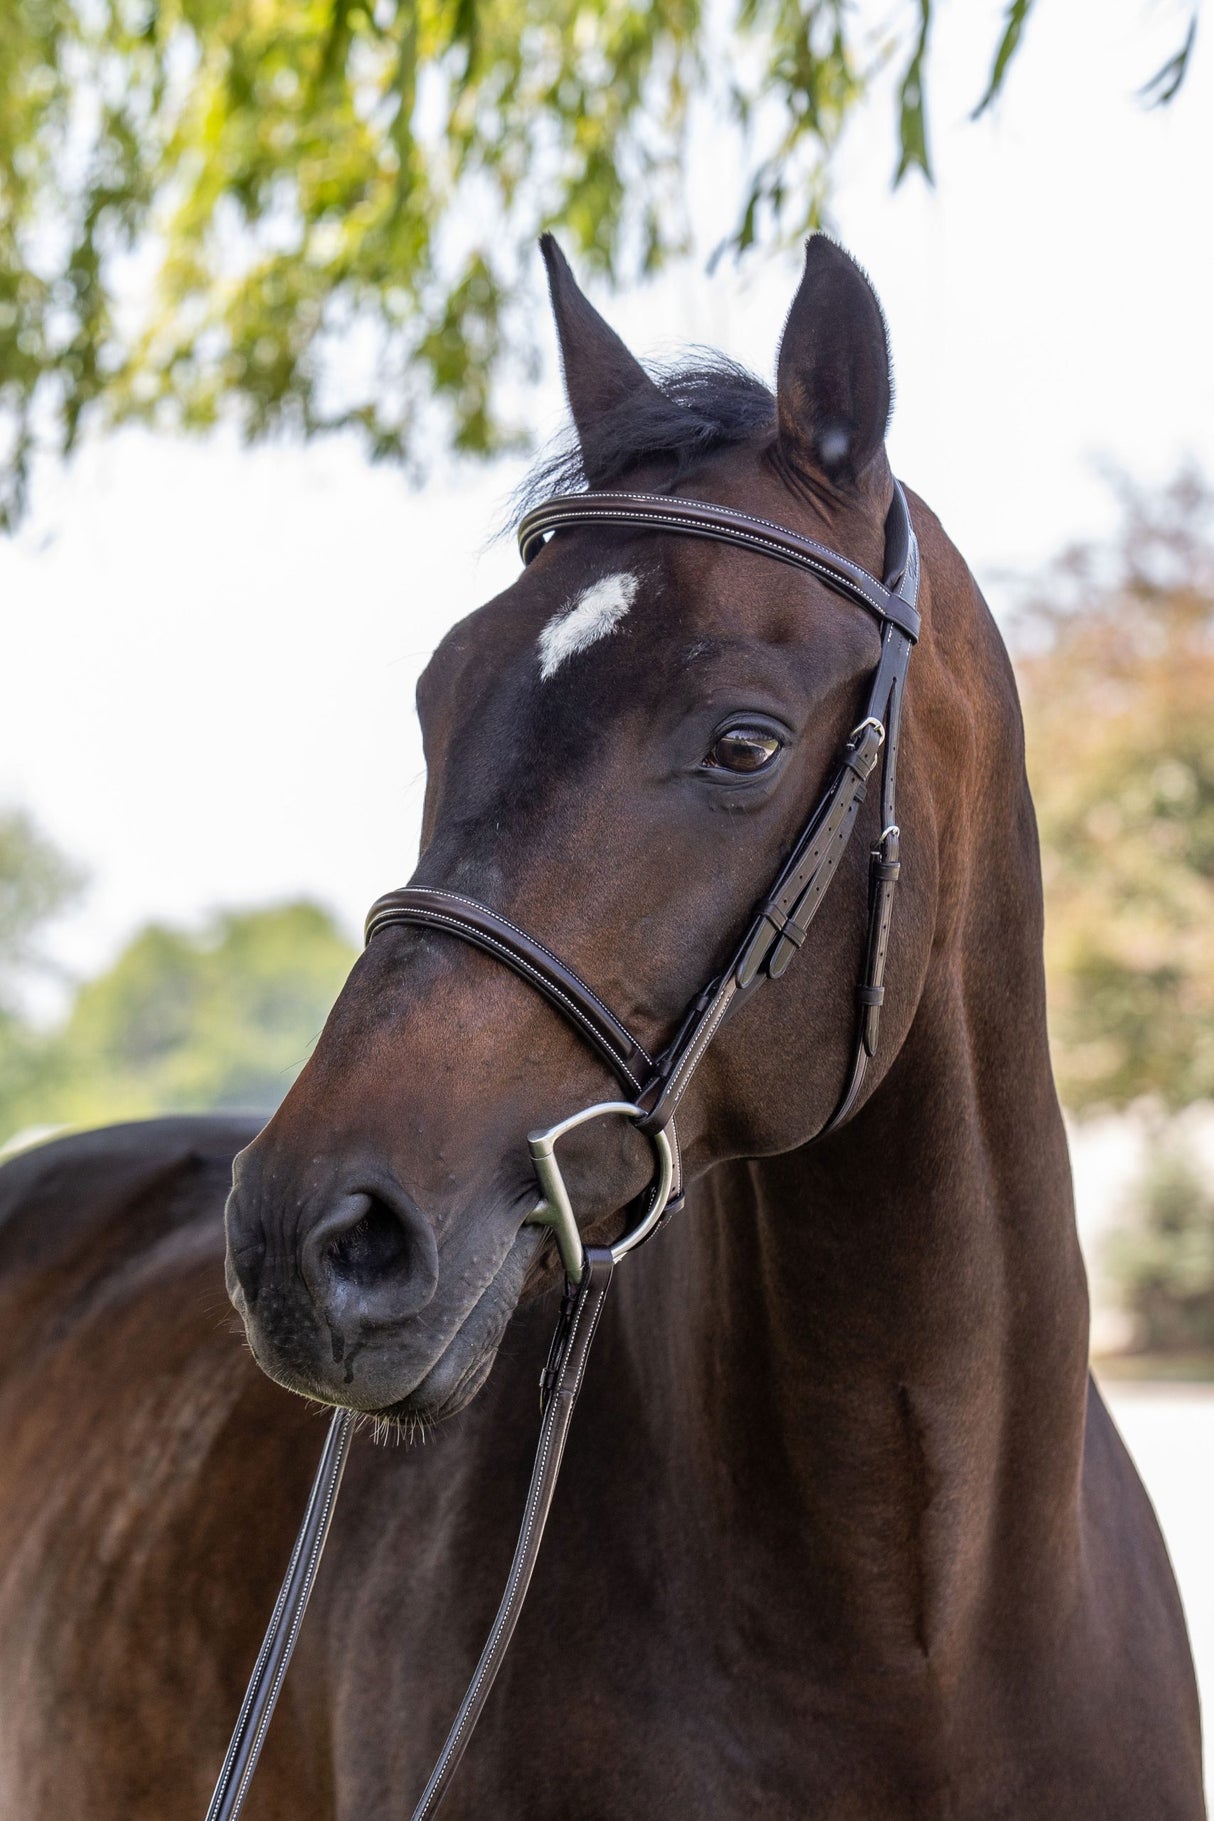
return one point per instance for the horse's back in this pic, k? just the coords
(57, 1194)
(133, 1424)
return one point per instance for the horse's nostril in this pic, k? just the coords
(370, 1260)
(374, 1245)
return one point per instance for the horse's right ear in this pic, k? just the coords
(833, 383)
(600, 373)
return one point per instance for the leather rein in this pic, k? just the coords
(654, 1085)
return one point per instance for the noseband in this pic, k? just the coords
(655, 1085)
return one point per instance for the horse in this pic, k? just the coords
(845, 1529)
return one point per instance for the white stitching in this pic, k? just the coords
(664, 500)
(558, 515)
(556, 1418)
(460, 898)
(691, 1057)
(309, 1576)
(848, 578)
(425, 915)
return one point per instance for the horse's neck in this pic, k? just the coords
(878, 1361)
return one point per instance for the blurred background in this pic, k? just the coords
(274, 354)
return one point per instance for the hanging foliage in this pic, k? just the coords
(312, 214)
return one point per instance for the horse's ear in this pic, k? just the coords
(600, 373)
(833, 380)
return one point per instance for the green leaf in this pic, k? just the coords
(912, 105)
(1014, 22)
(1166, 83)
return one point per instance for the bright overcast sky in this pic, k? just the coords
(211, 653)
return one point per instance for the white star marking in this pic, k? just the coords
(594, 614)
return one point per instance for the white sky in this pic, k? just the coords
(212, 653)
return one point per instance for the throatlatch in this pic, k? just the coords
(778, 928)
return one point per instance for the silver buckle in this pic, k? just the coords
(872, 721)
(556, 1210)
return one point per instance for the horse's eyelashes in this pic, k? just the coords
(744, 749)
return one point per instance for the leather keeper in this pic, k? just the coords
(771, 913)
(792, 931)
(758, 947)
(861, 760)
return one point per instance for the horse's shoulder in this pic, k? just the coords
(59, 1195)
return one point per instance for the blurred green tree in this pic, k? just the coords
(181, 1021)
(36, 883)
(312, 213)
(1116, 671)
(1164, 1257)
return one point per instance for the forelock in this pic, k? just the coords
(699, 406)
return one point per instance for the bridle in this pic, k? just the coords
(781, 921)
(654, 1085)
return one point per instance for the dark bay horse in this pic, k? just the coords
(845, 1530)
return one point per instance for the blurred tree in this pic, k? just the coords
(327, 201)
(1117, 679)
(1164, 1258)
(188, 1022)
(36, 882)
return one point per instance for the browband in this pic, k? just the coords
(704, 518)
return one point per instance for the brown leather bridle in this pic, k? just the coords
(781, 921)
(655, 1085)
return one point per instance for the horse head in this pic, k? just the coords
(621, 749)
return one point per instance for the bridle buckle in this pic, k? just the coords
(873, 721)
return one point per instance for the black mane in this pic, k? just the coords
(698, 407)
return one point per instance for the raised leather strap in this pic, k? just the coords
(885, 868)
(789, 909)
(456, 915)
(777, 931)
(562, 1380)
(704, 518)
(261, 1696)
(487, 929)
(885, 871)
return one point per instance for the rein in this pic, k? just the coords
(654, 1085)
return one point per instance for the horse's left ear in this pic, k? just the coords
(833, 384)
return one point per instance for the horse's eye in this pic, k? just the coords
(743, 749)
